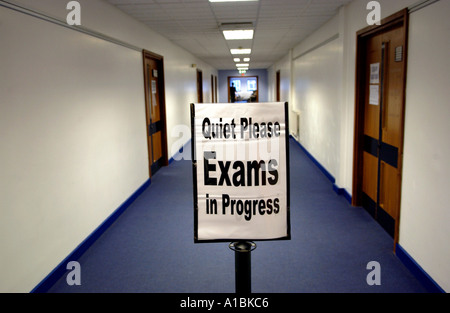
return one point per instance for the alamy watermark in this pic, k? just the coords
(374, 16)
(374, 276)
(74, 16)
(227, 147)
(73, 278)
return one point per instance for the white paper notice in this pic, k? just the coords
(374, 97)
(240, 171)
(375, 73)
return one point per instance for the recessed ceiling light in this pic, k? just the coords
(241, 51)
(237, 60)
(238, 34)
(242, 65)
(230, 0)
(246, 59)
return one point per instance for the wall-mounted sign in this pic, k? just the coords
(240, 157)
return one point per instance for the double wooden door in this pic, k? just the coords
(380, 121)
(155, 112)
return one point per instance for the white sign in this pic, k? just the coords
(154, 87)
(241, 171)
(374, 96)
(375, 73)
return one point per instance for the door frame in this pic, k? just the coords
(162, 103)
(213, 92)
(278, 86)
(199, 86)
(215, 89)
(399, 18)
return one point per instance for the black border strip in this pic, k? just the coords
(371, 145)
(388, 153)
(194, 172)
(288, 170)
(155, 127)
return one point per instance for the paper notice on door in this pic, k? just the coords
(374, 97)
(154, 86)
(375, 73)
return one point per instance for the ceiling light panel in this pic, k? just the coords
(238, 34)
(241, 51)
(233, 0)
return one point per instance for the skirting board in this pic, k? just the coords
(404, 257)
(417, 271)
(339, 191)
(60, 270)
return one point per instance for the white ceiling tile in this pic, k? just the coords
(194, 25)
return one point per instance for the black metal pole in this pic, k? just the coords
(243, 266)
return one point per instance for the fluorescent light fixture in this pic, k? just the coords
(242, 65)
(242, 69)
(241, 34)
(241, 51)
(230, 0)
(237, 60)
(246, 59)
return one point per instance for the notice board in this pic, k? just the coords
(240, 158)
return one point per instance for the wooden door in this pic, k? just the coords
(379, 128)
(155, 112)
(212, 89)
(199, 86)
(215, 90)
(277, 86)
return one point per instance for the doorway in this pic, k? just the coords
(215, 90)
(199, 86)
(379, 120)
(245, 88)
(278, 86)
(155, 110)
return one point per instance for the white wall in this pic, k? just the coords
(284, 66)
(312, 82)
(72, 128)
(317, 92)
(323, 89)
(425, 213)
(180, 77)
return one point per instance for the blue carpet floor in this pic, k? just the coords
(150, 247)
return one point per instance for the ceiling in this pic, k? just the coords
(195, 25)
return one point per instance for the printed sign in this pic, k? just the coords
(374, 95)
(240, 157)
(375, 73)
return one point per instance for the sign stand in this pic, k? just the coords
(240, 171)
(243, 267)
